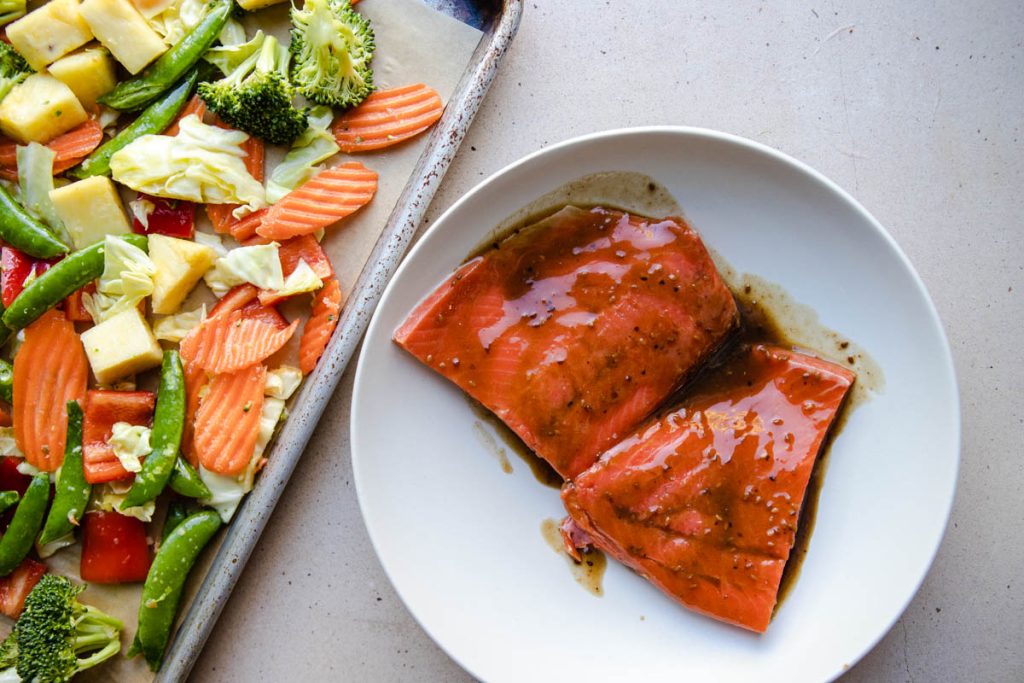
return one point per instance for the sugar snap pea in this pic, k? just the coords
(72, 490)
(7, 499)
(63, 278)
(28, 517)
(186, 481)
(177, 511)
(155, 119)
(162, 591)
(168, 423)
(25, 233)
(6, 381)
(137, 92)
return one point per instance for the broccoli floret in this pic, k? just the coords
(331, 47)
(13, 67)
(256, 97)
(11, 10)
(54, 629)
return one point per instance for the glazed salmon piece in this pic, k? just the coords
(576, 328)
(704, 502)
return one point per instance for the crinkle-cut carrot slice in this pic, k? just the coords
(322, 200)
(320, 326)
(388, 117)
(193, 106)
(69, 149)
(50, 369)
(233, 341)
(228, 420)
(195, 379)
(220, 215)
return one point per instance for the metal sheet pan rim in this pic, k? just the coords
(251, 518)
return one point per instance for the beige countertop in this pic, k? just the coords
(916, 108)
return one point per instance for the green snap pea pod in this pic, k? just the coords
(63, 278)
(137, 92)
(155, 119)
(186, 481)
(25, 233)
(7, 499)
(72, 490)
(28, 517)
(6, 381)
(162, 591)
(177, 511)
(168, 423)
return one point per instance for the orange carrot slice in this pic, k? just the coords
(68, 149)
(228, 420)
(220, 214)
(50, 369)
(244, 229)
(388, 117)
(324, 199)
(320, 326)
(195, 379)
(233, 341)
(193, 106)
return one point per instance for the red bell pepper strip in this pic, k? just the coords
(10, 478)
(16, 586)
(114, 548)
(171, 217)
(102, 410)
(17, 267)
(74, 308)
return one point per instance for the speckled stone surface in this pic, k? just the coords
(916, 108)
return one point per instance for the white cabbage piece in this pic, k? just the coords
(35, 180)
(130, 443)
(8, 446)
(173, 328)
(302, 162)
(108, 498)
(203, 164)
(259, 265)
(302, 279)
(282, 382)
(126, 280)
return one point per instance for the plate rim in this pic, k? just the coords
(702, 134)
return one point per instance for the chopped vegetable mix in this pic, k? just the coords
(145, 242)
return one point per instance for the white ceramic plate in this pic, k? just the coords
(461, 540)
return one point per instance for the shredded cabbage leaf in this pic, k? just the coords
(302, 162)
(130, 443)
(108, 498)
(8, 446)
(301, 280)
(228, 57)
(174, 328)
(282, 382)
(259, 265)
(203, 164)
(127, 279)
(35, 180)
(210, 240)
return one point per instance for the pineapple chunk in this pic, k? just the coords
(121, 345)
(123, 31)
(179, 266)
(49, 32)
(91, 209)
(251, 5)
(89, 74)
(39, 109)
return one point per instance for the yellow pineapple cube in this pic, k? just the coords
(49, 32)
(179, 266)
(39, 109)
(123, 31)
(89, 73)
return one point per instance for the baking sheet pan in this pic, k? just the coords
(498, 20)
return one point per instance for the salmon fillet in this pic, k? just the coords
(704, 502)
(576, 328)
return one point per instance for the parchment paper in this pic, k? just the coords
(414, 44)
